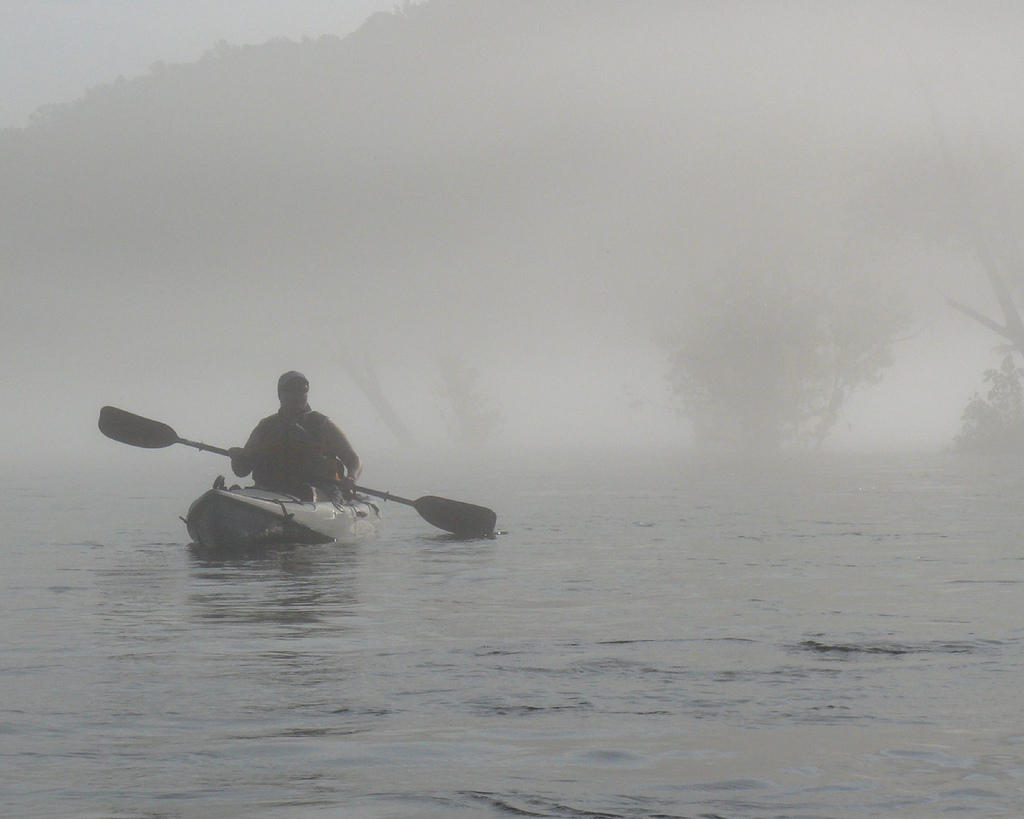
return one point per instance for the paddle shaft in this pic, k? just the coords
(204, 447)
(384, 495)
(374, 492)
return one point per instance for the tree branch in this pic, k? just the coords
(1018, 341)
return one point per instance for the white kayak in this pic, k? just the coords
(224, 518)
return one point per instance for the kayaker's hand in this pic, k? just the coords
(347, 485)
(241, 463)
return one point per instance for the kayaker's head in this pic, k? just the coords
(292, 390)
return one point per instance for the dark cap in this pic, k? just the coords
(290, 378)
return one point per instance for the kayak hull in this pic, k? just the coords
(246, 518)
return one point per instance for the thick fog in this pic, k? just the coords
(502, 214)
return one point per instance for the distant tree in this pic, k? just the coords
(767, 360)
(965, 194)
(995, 423)
(364, 374)
(470, 417)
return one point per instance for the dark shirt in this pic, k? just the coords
(291, 452)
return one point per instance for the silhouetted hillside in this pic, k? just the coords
(454, 123)
(425, 124)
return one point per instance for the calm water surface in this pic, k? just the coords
(835, 637)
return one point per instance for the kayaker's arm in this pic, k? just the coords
(338, 445)
(243, 458)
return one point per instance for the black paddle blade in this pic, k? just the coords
(135, 430)
(462, 519)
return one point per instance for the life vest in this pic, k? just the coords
(292, 451)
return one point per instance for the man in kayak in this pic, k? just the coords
(297, 450)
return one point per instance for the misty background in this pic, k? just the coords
(502, 209)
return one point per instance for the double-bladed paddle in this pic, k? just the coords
(457, 517)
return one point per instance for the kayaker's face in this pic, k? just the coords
(292, 400)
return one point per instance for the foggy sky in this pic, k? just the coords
(553, 285)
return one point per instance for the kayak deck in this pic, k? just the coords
(254, 517)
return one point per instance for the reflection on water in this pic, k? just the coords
(293, 585)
